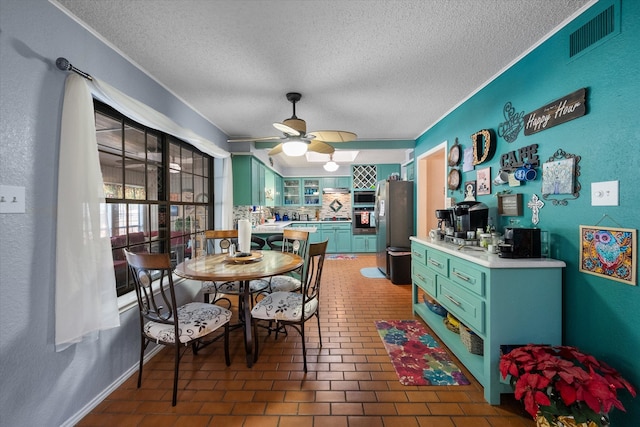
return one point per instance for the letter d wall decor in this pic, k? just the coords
(484, 145)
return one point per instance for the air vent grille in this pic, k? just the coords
(593, 31)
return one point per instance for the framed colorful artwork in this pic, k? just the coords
(609, 252)
(483, 181)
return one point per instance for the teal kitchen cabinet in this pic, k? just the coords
(339, 236)
(314, 237)
(311, 192)
(364, 243)
(291, 191)
(336, 182)
(278, 200)
(384, 170)
(269, 187)
(499, 299)
(248, 169)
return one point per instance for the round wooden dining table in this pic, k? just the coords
(223, 268)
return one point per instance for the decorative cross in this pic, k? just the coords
(535, 205)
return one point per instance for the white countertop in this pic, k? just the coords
(278, 226)
(481, 257)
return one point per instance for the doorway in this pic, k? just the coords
(431, 173)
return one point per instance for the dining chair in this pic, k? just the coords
(295, 308)
(294, 241)
(163, 321)
(219, 241)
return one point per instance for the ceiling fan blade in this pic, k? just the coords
(266, 138)
(286, 129)
(276, 150)
(334, 135)
(321, 147)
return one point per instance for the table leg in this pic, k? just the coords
(248, 330)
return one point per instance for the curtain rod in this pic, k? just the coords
(64, 65)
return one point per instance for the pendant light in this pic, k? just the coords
(331, 166)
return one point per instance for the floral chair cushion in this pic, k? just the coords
(285, 306)
(284, 284)
(195, 320)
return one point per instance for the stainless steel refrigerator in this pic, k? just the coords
(394, 219)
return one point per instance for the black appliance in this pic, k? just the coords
(364, 221)
(469, 216)
(394, 220)
(520, 243)
(364, 198)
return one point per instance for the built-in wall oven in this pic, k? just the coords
(363, 220)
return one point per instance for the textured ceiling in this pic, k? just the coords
(383, 69)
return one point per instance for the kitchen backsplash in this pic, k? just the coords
(333, 205)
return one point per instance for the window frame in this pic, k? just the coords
(160, 199)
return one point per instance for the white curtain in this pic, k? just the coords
(86, 300)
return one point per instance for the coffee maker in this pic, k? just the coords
(445, 220)
(469, 216)
(521, 243)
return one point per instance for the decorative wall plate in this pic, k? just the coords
(454, 179)
(454, 154)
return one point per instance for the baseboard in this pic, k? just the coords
(75, 419)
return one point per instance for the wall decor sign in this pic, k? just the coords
(559, 177)
(516, 159)
(484, 146)
(513, 124)
(483, 181)
(470, 191)
(562, 110)
(609, 252)
(510, 204)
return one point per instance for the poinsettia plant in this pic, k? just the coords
(555, 381)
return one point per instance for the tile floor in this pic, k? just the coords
(350, 382)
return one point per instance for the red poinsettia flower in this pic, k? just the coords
(562, 380)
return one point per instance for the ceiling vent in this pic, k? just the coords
(595, 32)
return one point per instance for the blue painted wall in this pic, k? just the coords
(600, 316)
(39, 386)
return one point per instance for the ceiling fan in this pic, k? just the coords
(296, 141)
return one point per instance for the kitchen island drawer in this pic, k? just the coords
(468, 276)
(424, 278)
(418, 253)
(467, 307)
(438, 262)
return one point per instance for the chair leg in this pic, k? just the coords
(227, 359)
(319, 333)
(304, 347)
(254, 325)
(142, 347)
(175, 375)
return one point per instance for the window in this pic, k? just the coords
(157, 191)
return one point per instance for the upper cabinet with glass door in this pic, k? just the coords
(291, 191)
(311, 190)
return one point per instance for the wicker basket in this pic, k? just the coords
(471, 341)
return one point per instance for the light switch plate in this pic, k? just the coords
(604, 193)
(12, 199)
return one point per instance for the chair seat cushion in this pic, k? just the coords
(233, 288)
(195, 320)
(285, 306)
(284, 284)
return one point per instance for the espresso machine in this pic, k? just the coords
(469, 216)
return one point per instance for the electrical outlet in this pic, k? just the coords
(604, 193)
(12, 199)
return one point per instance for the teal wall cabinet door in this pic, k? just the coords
(291, 191)
(364, 244)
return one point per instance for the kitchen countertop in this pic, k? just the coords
(278, 226)
(482, 257)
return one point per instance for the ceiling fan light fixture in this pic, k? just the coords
(294, 148)
(331, 166)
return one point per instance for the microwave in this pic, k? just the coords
(364, 197)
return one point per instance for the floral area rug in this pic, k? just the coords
(416, 356)
(341, 256)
